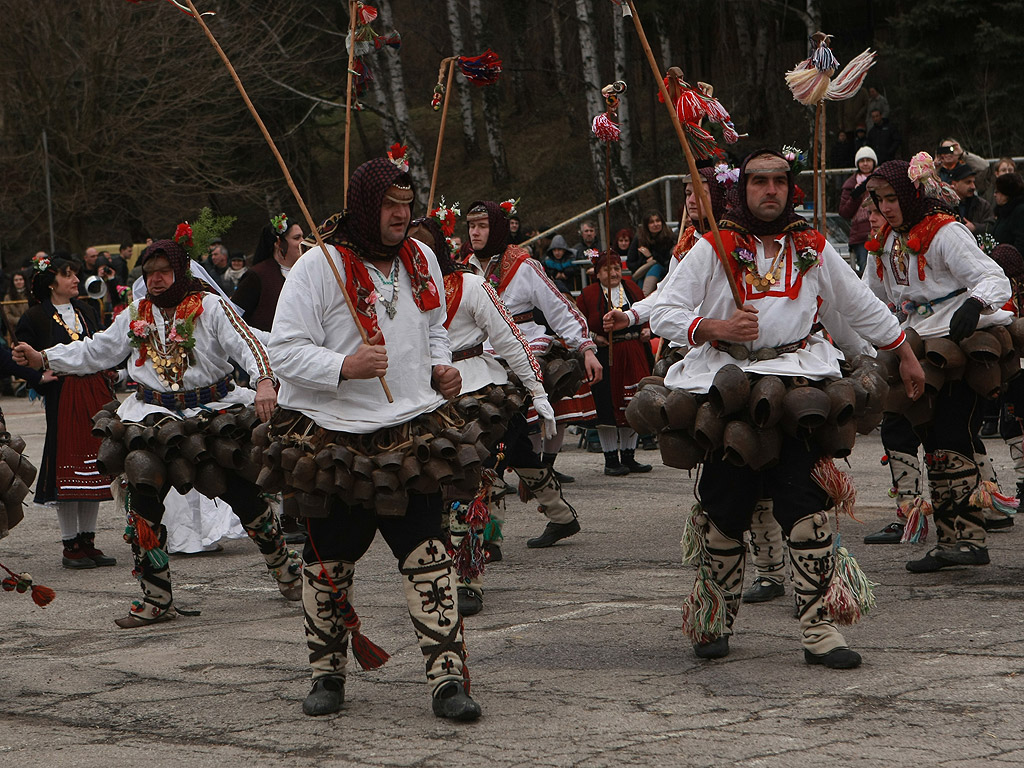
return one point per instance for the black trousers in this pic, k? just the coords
(518, 448)
(955, 421)
(729, 493)
(1012, 409)
(244, 498)
(347, 531)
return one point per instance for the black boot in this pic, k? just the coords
(629, 462)
(326, 696)
(74, 558)
(87, 543)
(612, 465)
(549, 460)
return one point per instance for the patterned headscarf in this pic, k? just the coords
(740, 219)
(1008, 257)
(497, 239)
(914, 203)
(184, 282)
(360, 225)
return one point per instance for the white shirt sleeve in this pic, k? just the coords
(674, 315)
(502, 333)
(565, 319)
(102, 351)
(844, 294)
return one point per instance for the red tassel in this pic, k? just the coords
(42, 596)
(145, 534)
(367, 653)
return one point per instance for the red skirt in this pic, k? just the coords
(77, 476)
(630, 363)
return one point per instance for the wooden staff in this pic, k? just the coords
(822, 163)
(352, 10)
(440, 134)
(291, 182)
(608, 230)
(690, 162)
(814, 159)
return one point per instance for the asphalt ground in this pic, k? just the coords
(577, 660)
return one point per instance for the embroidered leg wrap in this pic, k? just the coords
(154, 577)
(468, 553)
(545, 487)
(265, 530)
(965, 522)
(906, 477)
(766, 546)
(711, 608)
(430, 594)
(326, 633)
(813, 560)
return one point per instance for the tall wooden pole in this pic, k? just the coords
(290, 182)
(608, 230)
(352, 9)
(440, 133)
(690, 162)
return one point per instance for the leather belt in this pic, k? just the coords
(740, 352)
(465, 354)
(523, 317)
(189, 398)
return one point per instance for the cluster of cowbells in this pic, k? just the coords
(744, 417)
(562, 372)
(16, 474)
(432, 455)
(985, 360)
(196, 452)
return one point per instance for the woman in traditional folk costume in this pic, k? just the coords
(68, 476)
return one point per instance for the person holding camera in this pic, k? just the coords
(951, 154)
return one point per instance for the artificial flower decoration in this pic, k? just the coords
(726, 176)
(183, 235)
(592, 254)
(922, 166)
(796, 157)
(445, 216)
(510, 207)
(279, 223)
(605, 129)
(40, 263)
(397, 155)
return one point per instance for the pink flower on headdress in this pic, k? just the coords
(726, 176)
(922, 166)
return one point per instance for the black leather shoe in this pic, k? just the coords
(470, 602)
(965, 554)
(891, 534)
(763, 590)
(554, 532)
(837, 658)
(618, 471)
(929, 563)
(999, 524)
(453, 703)
(563, 479)
(492, 552)
(629, 462)
(716, 649)
(326, 697)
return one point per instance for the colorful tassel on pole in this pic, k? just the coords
(704, 610)
(480, 70)
(837, 485)
(916, 513)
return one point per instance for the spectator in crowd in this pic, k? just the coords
(236, 268)
(850, 207)
(15, 302)
(588, 239)
(621, 244)
(883, 137)
(1004, 166)
(974, 210)
(951, 154)
(877, 101)
(218, 265)
(121, 262)
(1009, 197)
(559, 267)
(860, 137)
(843, 151)
(650, 251)
(278, 248)
(516, 233)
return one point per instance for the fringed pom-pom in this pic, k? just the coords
(915, 512)
(704, 610)
(368, 654)
(850, 594)
(481, 70)
(837, 485)
(605, 129)
(693, 536)
(145, 534)
(42, 596)
(468, 558)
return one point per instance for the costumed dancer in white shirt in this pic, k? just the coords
(178, 341)
(363, 450)
(788, 275)
(929, 265)
(523, 287)
(476, 315)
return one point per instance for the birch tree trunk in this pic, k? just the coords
(492, 106)
(592, 87)
(621, 45)
(464, 90)
(403, 131)
(664, 42)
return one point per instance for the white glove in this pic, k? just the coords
(542, 406)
